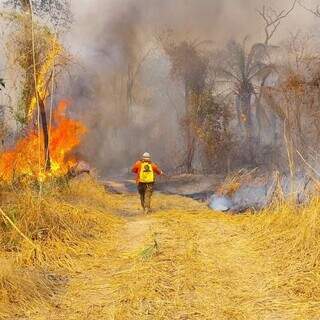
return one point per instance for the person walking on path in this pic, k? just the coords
(146, 172)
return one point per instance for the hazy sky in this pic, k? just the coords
(216, 18)
(107, 34)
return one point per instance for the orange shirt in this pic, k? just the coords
(137, 167)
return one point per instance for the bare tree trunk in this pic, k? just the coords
(246, 107)
(300, 139)
(259, 111)
(289, 140)
(259, 122)
(45, 131)
(190, 143)
(129, 101)
(190, 154)
(274, 129)
(239, 111)
(275, 140)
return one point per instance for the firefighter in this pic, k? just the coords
(146, 172)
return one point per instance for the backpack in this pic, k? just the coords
(146, 174)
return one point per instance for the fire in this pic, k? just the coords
(27, 158)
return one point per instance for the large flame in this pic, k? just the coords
(28, 156)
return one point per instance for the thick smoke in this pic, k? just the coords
(116, 38)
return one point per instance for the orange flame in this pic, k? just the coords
(27, 157)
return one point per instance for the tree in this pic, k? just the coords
(240, 68)
(135, 65)
(58, 12)
(272, 19)
(189, 65)
(245, 69)
(210, 122)
(315, 11)
(295, 97)
(37, 51)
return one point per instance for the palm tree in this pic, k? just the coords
(240, 69)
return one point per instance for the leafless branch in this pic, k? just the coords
(142, 60)
(272, 19)
(315, 11)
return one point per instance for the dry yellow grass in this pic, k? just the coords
(210, 266)
(235, 180)
(184, 262)
(57, 230)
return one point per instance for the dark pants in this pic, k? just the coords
(145, 191)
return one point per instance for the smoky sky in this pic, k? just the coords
(108, 35)
(215, 19)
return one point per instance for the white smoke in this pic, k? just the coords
(107, 35)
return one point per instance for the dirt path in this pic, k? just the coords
(183, 263)
(89, 294)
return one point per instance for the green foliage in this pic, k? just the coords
(150, 251)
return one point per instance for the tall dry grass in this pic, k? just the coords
(41, 238)
(185, 261)
(235, 180)
(205, 265)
